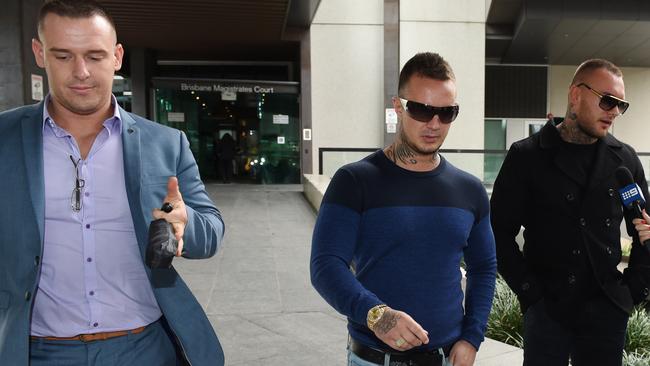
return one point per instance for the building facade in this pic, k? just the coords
(304, 87)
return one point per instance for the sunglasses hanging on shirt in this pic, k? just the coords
(75, 200)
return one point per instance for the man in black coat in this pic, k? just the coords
(559, 184)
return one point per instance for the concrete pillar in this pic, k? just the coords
(305, 102)
(139, 81)
(18, 21)
(347, 72)
(455, 30)
(391, 60)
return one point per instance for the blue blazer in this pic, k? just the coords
(152, 153)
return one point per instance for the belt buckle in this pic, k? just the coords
(418, 359)
(403, 363)
(86, 338)
(93, 337)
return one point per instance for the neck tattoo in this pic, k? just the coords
(399, 152)
(571, 132)
(402, 153)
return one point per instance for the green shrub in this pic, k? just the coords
(505, 323)
(636, 359)
(637, 339)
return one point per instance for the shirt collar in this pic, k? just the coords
(113, 123)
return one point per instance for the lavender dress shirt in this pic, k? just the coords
(93, 278)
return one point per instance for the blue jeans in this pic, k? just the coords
(151, 347)
(354, 360)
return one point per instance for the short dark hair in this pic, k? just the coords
(594, 64)
(425, 64)
(73, 9)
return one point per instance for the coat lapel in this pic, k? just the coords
(550, 139)
(32, 133)
(132, 174)
(606, 162)
(607, 157)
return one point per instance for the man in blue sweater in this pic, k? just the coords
(392, 230)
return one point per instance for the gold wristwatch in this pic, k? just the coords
(374, 314)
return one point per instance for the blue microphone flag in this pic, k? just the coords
(630, 194)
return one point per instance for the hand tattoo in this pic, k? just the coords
(387, 322)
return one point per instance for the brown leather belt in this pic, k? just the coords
(93, 336)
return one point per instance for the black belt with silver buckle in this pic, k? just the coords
(415, 358)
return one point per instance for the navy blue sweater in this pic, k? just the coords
(404, 234)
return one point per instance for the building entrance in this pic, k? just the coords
(246, 132)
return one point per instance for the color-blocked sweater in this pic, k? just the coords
(404, 234)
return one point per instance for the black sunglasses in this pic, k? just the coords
(424, 112)
(608, 102)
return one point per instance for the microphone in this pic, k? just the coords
(631, 198)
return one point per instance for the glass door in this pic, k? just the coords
(244, 137)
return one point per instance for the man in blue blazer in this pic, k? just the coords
(80, 181)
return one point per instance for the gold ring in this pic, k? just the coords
(400, 342)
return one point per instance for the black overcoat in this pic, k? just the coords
(571, 231)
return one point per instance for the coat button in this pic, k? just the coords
(646, 291)
(570, 197)
(525, 286)
(609, 250)
(610, 192)
(608, 222)
(572, 279)
(37, 260)
(576, 251)
(28, 295)
(583, 222)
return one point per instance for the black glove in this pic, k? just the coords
(162, 242)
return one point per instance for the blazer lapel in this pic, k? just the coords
(32, 133)
(132, 173)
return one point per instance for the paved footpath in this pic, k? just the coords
(256, 290)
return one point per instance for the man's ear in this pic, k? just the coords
(397, 105)
(119, 54)
(574, 94)
(39, 52)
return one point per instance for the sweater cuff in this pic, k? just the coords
(366, 303)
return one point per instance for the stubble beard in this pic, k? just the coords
(414, 147)
(590, 132)
(576, 132)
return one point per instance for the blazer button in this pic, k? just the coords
(570, 197)
(28, 295)
(608, 222)
(610, 192)
(646, 291)
(576, 251)
(609, 250)
(37, 260)
(572, 279)
(583, 222)
(525, 286)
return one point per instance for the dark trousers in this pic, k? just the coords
(151, 347)
(225, 169)
(595, 336)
